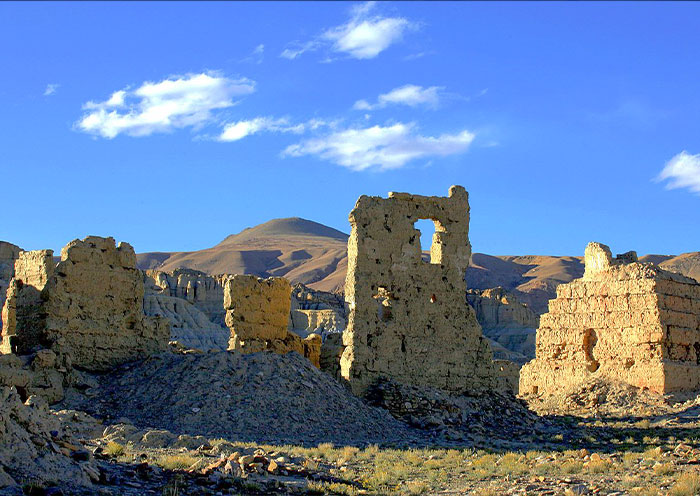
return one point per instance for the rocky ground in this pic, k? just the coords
(223, 423)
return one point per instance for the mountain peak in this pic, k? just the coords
(282, 228)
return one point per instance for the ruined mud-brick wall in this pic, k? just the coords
(623, 321)
(89, 305)
(257, 313)
(8, 254)
(203, 291)
(24, 312)
(408, 318)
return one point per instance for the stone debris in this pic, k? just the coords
(35, 448)
(605, 397)
(42, 374)
(261, 397)
(465, 417)
(624, 321)
(408, 319)
(257, 313)
(89, 305)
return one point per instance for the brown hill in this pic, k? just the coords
(298, 249)
(313, 254)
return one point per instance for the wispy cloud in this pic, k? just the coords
(364, 36)
(51, 89)
(235, 131)
(682, 171)
(409, 94)
(176, 102)
(389, 147)
(256, 56)
(295, 48)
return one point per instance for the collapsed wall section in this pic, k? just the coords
(408, 318)
(623, 321)
(257, 313)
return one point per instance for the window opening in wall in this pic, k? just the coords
(427, 228)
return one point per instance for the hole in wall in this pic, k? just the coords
(383, 299)
(590, 339)
(427, 229)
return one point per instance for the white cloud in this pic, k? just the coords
(389, 147)
(682, 171)
(238, 130)
(50, 89)
(409, 94)
(256, 56)
(364, 36)
(176, 102)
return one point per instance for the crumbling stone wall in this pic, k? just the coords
(89, 305)
(257, 313)
(623, 321)
(408, 318)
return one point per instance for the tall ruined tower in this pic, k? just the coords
(408, 318)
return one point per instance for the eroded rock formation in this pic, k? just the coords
(623, 321)
(408, 319)
(506, 321)
(203, 291)
(89, 305)
(257, 313)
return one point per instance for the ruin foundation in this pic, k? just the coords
(623, 321)
(257, 313)
(408, 318)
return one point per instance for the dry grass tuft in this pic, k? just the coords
(114, 449)
(176, 462)
(687, 484)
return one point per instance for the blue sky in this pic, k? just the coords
(172, 125)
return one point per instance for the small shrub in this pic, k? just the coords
(114, 449)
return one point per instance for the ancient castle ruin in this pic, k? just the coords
(408, 318)
(258, 314)
(89, 304)
(623, 321)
